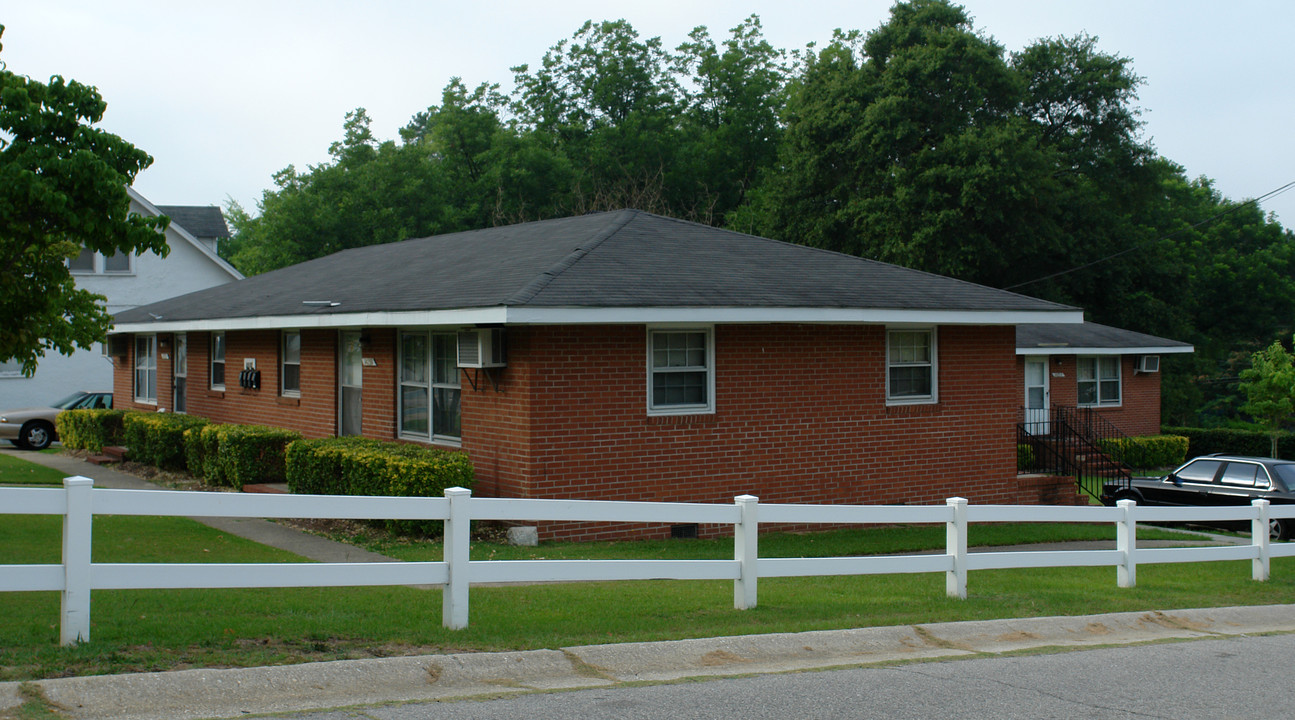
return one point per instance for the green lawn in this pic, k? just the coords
(14, 471)
(140, 630)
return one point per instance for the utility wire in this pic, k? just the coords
(1139, 246)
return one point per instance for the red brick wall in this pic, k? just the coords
(314, 414)
(800, 416)
(1139, 410)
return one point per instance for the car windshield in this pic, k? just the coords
(1286, 473)
(70, 401)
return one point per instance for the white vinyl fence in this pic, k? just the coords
(78, 502)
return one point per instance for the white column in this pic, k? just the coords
(77, 520)
(1259, 535)
(458, 538)
(955, 580)
(1126, 541)
(746, 551)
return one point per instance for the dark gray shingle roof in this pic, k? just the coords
(202, 221)
(617, 259)
(1057, 336)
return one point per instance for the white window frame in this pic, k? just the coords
(148, 368)
(1098, 380)
(706, 408)
(284, 362)
(130, 264)
(932, 362)
(212, 361)
(94, 262)
(429, 385)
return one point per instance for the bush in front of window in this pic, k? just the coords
(247, 454)
(359, 466)
(1146, 453)
(1255, 443)
(157, 439)
(89, 429)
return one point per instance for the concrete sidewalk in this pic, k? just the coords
(228, 693)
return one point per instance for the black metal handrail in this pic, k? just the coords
(1077, 442)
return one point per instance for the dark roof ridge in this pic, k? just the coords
(536, 286)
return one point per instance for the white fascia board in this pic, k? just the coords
(1149, 350)
(477, 316)
(612, 316)
(753, 315)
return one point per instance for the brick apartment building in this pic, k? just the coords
(618, 355)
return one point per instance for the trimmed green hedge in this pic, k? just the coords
(1257, 443)
(89, 429)
(248, 454)
(1154, 451)
(359, 466)
(158, 438)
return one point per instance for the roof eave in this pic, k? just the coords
(609, 316)
(1130, 350)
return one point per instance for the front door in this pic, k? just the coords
(350, 383)
(1036, 395)
(180, 373)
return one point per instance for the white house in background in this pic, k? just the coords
(127, 281)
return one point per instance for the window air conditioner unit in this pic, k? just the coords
(118, 345)
(482, 348)
(1149, 363)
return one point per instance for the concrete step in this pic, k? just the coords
(117, 452)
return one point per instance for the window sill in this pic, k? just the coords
(288, 400)
(913, 409)
(216, 392)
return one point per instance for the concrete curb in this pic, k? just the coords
(226, 693)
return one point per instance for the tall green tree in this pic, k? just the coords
(1269, 385)
(62, 187)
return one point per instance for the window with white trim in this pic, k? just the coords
(1098, 380)
(290, 364)
(146, 369)
(910, 366)
(218, 361)
(430, 393)
(90, 262)
(681, 371)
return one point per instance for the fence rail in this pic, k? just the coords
(78, 502)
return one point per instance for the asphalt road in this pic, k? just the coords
(1236, 677)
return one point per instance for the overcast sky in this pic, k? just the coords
(223, 94)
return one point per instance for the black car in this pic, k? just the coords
(1218, 480)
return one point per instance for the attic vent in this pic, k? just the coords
(482, 348)
(1149, 364)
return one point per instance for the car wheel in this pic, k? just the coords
(36, 435)
(1128, 495)
(1279, 529)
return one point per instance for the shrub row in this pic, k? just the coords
(359, 466)
(1154, 451)
(237, 455)
(158, 438)
(1204, 441)
(89, 429)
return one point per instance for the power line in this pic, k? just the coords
(1139, 246)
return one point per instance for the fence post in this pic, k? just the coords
(75, 600)
(1126, 541)
(955, 580)
(458, 538)
(1259, 535)
(746, 551)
